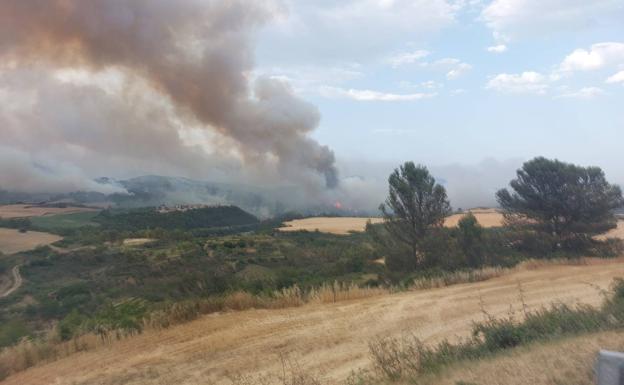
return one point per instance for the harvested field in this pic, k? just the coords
(12, 241)
(137, 241)
(332, 225)
(26, 211)
(615, 233)
(345, 225)
(329, 339)
(485, 217)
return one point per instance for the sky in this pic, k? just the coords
(441, 82)
(326, 95)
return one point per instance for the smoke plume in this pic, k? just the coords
(116, 80)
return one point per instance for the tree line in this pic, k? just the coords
(551, 206)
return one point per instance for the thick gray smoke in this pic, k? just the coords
(170, 65)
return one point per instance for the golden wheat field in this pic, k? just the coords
(485, 217)
(12, 241)
(26, 211)
(328, 339)
(332, 225)
(345, 225)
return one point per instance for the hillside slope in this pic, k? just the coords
(327, 339)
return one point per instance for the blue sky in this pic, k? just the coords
(443, 82)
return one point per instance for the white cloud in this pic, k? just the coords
(370, 95)
(584, 93)
(307, 79)
(454, 67)
(500, 48)
(509, 19)
(459, 70)
(598, 56)
(361, 30)
(526, 82)
(429, 84)
(617, 78)
(392, 13)
(406, 58)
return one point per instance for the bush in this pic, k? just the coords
(12, 331)
(70, 325)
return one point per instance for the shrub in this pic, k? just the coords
(12, 331)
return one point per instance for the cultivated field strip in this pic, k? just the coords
(27, 211)
(330, 339)
(345, 225)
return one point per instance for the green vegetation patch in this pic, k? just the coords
(150, 218)
(65, 221)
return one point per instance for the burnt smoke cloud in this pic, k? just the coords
(166, 65)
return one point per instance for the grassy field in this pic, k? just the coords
(65, 221)
(329, 339)
(346, 225)
(12, 241)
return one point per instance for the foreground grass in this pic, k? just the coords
(408, 359)
(34, 352)
(555, 345)
(124, 321)
(567, 361)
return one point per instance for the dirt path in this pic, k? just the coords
(328, 339)
(17, 282)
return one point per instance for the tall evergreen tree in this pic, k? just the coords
(562, 199)
(415, 204)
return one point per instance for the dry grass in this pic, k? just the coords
(26, 211)
(330, 339)
(569, 361)
(12, 241)
(346, 225)
(460, 277)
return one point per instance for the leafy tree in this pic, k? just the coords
(470, 238)
(415, 205)
(563, 200)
